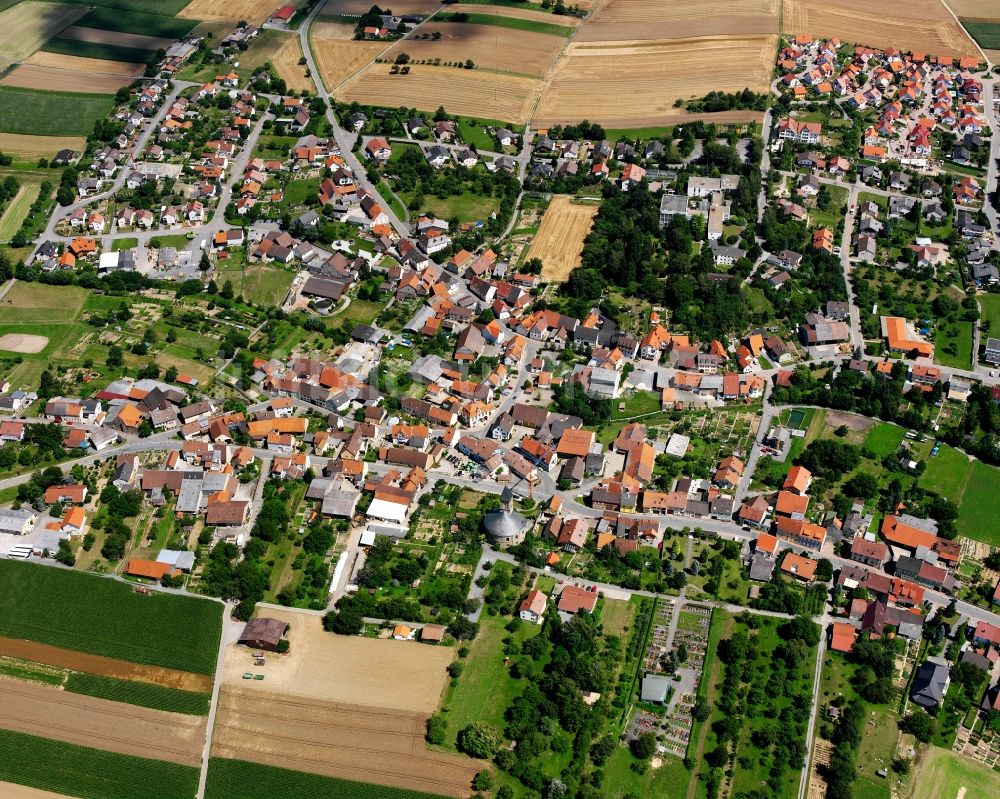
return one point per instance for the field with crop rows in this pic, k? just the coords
(72, 610)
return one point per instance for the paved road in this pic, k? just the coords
(344, 139)
(231, 630)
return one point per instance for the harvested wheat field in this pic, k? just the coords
(253, 11)
(366, 744)
(355, 8)
(10, 790)
(28, 147)
(97, 664)
(28, 25)
(50, 712)
(338, 61)
(337, 31)
(975, 9)
(921, 25)
(29, 76)
(285, 59)
(488, 46)
(98, 65)
(635, 84)
(517, 13)
(626, 20)
(393, 674)
(117, 38)
(466, 92)
(559, 241)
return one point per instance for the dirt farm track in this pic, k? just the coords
(107, 667)
(366, 744)
(49, 712)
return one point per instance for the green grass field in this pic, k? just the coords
(466, 207)
(138, 693)
(238, 779)
(475, 135)
(165, 8)
(947, 473)
(18, 208)
(90, 773)
(104, 617)
(979, 508)
(485, 689)
(548, 28)
(126, 243)
(884, 439)
(147, 24)
(989, 322)
(942, 774)
(986, 34)
(51, 113)
(112, 52)
(958, 335)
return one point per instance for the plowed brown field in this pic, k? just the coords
(624, 20)
(374, 745)
(338, 60)
(29, 76)
(922, 25)
(466, 92)
(559, 241)
(136, 40)
(400, 675)
(108, 667)
(49, 712)
(634, 84)
(59, 61)
(488, 46)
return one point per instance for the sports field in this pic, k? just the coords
(884, 439)
(946, 473)
(72, 610)
(944, 775)
(51, 113)
(924, 25)
(28, 25)
(559, 240)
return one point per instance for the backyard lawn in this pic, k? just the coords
(989, 322)
(944, 774)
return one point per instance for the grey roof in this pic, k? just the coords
(655, 688)
(505, 524)
(177, 558)
(931, 683)
(761, 568)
